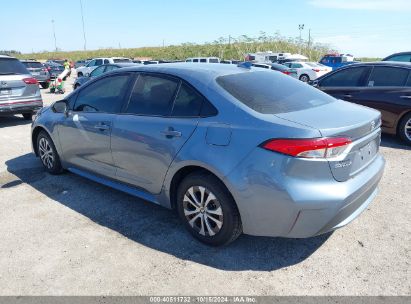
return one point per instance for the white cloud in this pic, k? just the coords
(381, 5)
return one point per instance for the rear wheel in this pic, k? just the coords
(404, 129)
(207, 209)
(80, 74)
(76, 86)
(48, 153)
(304, 78)
(27, 116)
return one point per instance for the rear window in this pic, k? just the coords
(272, 93)
(33, 65)
(9, 66)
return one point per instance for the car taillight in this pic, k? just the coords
(316, 70)
(309, 148)
(286, 72)
(30, 81)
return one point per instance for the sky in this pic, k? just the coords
(364, 28)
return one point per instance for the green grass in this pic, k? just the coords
(221, 48)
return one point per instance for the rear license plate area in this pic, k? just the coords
(5, 92)
(368, 151)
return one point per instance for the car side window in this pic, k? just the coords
(91, 63)
(152, 95)
(98, 71)
(195, 60)
(106, 61)
(99, 62)
(351, 77)
(203, 60)
(187, 103)
(105, 95)
(388, 77)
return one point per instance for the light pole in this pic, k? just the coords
(82, 20)
(300, 28)
(54, 35)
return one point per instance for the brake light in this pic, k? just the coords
(316, 70)
(30, 81)
(286, 72)
(309, 148)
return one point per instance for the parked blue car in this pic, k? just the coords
(336, 61)
(232, 148)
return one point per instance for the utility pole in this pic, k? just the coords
(300, 28)
(82, 20)
(54, 35)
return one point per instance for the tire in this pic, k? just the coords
(304, 78)
(27, 116)
(48, 154)
(404, 129)
(76, 86)
(215, 221)
(44, 85)
(80, 74)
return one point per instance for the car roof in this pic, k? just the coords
(187, 70)
(124, 64)
(382, 63)
(7, 56)
(396, 54)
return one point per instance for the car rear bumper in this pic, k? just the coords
(276, 203)
(20, 106)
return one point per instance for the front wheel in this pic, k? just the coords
(404, 129)
(207, 209)
(304, 78)
(48, 153)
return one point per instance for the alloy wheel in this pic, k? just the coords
(46, 153)
(407, 129)
(203, 211)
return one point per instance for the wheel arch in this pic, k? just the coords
(36, 131)
(184, 171)
(399, 120)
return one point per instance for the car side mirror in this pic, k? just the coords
(60, 106)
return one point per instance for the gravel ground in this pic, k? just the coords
(65, 235)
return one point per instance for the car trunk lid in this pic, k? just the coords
(343, 119)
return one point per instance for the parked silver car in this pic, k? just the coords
(19, 91)
(38, 71)
(232, 149)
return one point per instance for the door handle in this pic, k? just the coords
(406, 96)
(170, 132)
(102, 127)
(347, 95)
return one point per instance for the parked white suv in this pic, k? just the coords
(96, 62)
(307, 71)
(204, 59)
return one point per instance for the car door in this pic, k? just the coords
(160, 117)
(387, 92)
(85, 131)
(346, 83)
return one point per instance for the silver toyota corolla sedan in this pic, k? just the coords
(232, 148)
